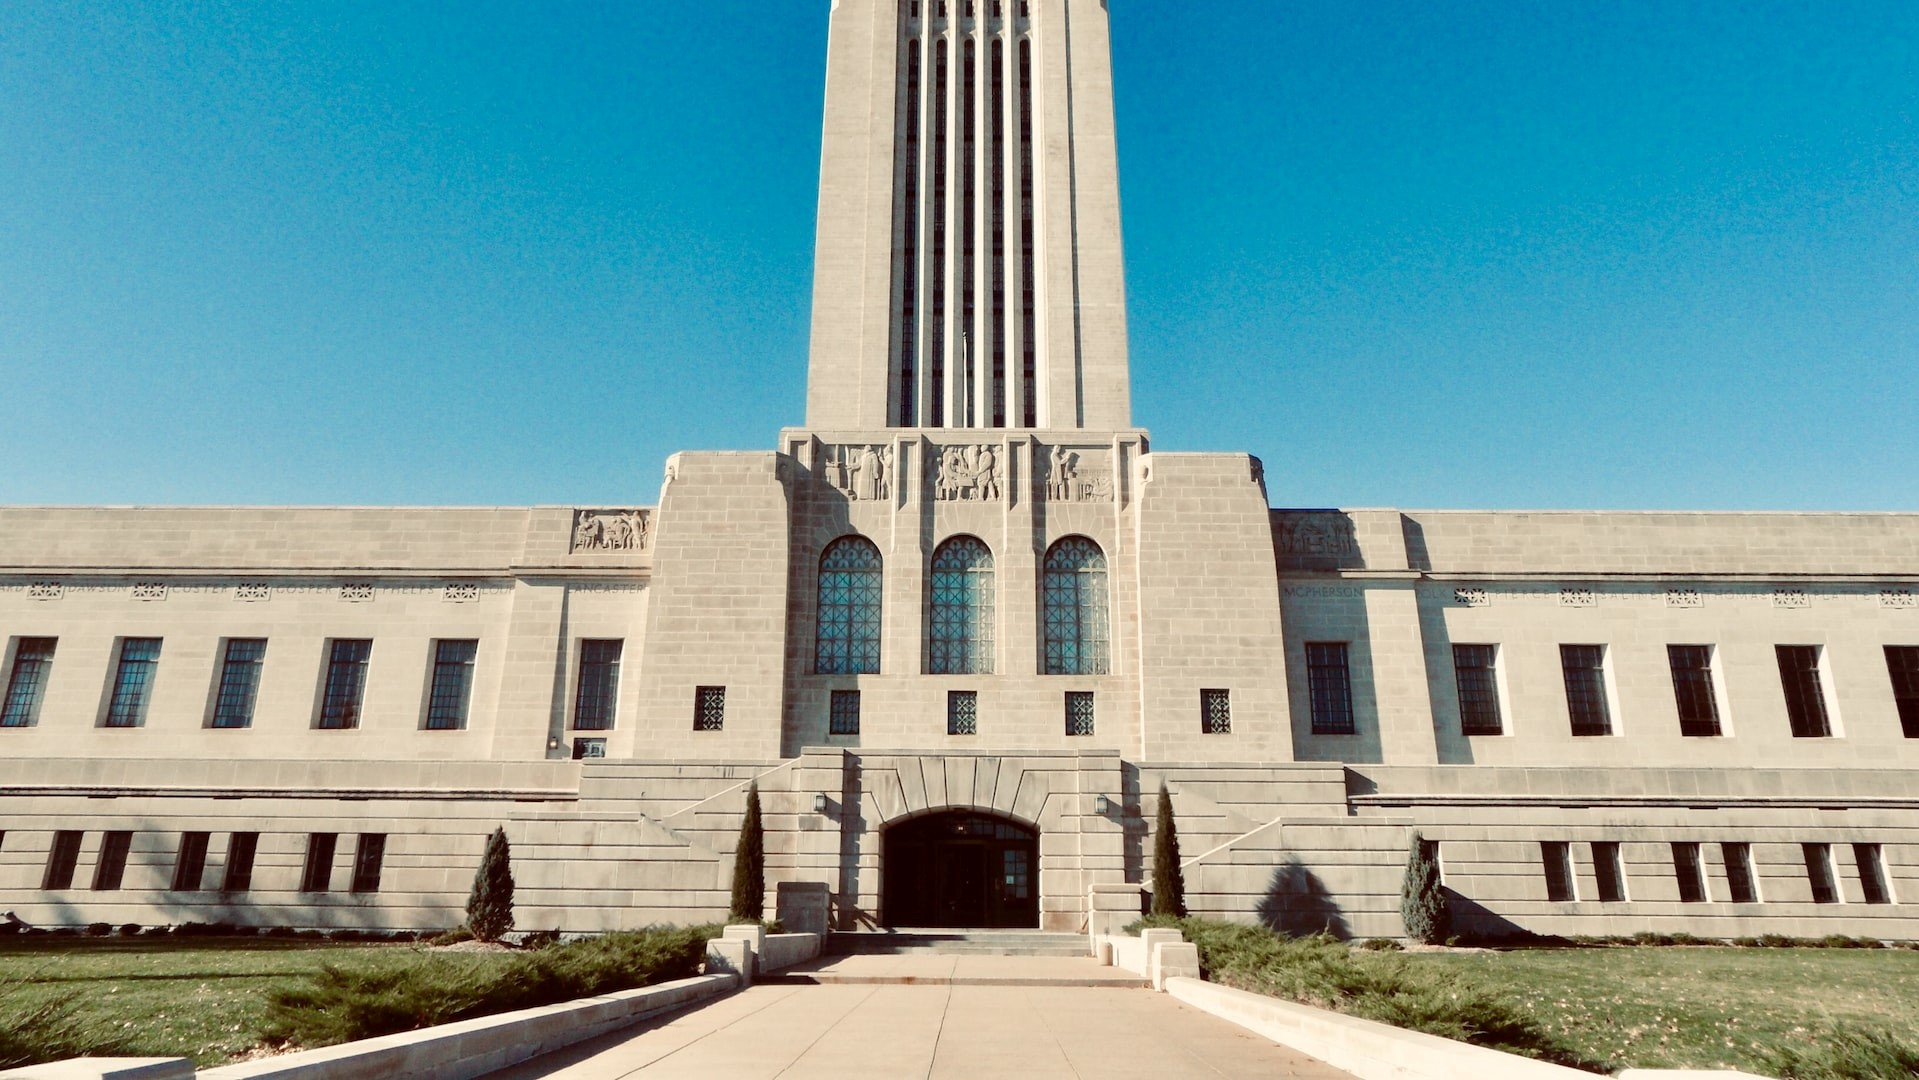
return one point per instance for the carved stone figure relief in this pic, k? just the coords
(967, 474)
(1070, 478)
(1316, 534)
(611, 530)
(861, 473)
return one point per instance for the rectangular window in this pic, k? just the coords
(1330, 683)
(1902, 663)
(709, 708)
(1079, 712)
(1609, 873)
(1215, 712)
(61, 860)
(844, 718)
(962, 712)
(1742, 887)
(1825, 886)
(599, 689)
(588, 748)
(317, 874)
(1872, 873)
(239, 682)
(191, 864)
(1558, 859)
(346, 668)
(241, 847)
(132, 682)
(368, 858)
(112, 867)
(1478, 689)
(1584, 667)
(1805, 695)
(1693, 690)
(452, 691)
(1691, 872)
(27, 682)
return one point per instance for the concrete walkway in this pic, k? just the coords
(910, 969)
(1024, 1027)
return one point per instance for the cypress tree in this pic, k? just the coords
(749, 864)
(1169, 885)
(489, 908)
(1422, 900)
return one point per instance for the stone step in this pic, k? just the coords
(958, 943)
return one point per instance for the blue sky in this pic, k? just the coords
(1622, 254)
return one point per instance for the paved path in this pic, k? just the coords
(1023, 1029)
(947, 970)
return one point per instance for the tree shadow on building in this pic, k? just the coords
(1297, 903)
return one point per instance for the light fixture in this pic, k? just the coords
(819, 802)
(1101, 805)
(552, 742)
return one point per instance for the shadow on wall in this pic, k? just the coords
(1297, 903)
(1473, 921)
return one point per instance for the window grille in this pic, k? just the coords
(1691, 872)
(1215, 712)
(1329, 683)
(241, 847)
(962, 712)
(345, 684)
(851, 580)
(1825, 887)
(32, 661)
(1741, 885)
(1584, 669)
(111, 870)
(1079, 712)
(1902, 664)
(709, 708)
(1805, 697)
(1478, 689)
(191, 863)
(316, 875)
(239, 682)
(133, 682)
(844, 713)
(452, 691)
(959, 639)
(597, 695)
(588, 748)
(1609, 872)
(1556, 855)
(1074, 598)
(368, 859)
(1692, 688)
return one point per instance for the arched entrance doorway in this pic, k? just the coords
(961, 868)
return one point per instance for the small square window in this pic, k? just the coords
(316, 876)
(588, 748)
(962, 712)
(1478, 684)
(241, 847)
(1825, 886)
(1079, 712)
(111, 870)
(1741, 885)
(1609, 872)
(368, 859)
(844, 718)
(1215, 712)
(1329, 682)
(709, 708)
(1691, 872)
(1558, 860)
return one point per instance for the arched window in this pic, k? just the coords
(959, 636)
(1073, 594)
(848, 642)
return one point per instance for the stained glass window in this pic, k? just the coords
(1073, 593)
(960, 632)
(849, 611)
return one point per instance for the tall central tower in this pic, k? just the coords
(968, 269)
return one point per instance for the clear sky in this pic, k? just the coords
(1619, 253)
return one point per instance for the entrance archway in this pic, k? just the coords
(961, 868)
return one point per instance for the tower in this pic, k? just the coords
(968, 269)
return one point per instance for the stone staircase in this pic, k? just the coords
(956, 943)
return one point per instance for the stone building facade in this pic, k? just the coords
(959, 628)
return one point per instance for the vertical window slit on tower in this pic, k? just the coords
(936, 362)
(909, 238)
(997, 152)
(969, 229)
(1029, 359)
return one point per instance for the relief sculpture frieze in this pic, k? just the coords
(967, 474)
(860, 473)
(1316, 541)
(611, 530)
(1070, 477)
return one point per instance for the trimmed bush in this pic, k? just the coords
(1169, 884)
(1422, 900)
(489, 909)
(749, 864)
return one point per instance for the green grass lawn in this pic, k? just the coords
(1690, 1007)
(200, 998)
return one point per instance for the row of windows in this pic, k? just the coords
(190, 862)
(1689, 869)
(962, 712)
(1583, 669)
(961, 621)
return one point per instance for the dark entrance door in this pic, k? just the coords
(961, 868)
